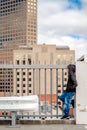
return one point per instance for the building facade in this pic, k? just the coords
(18, 26)
(41, 81)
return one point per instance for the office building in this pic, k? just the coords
(18, 26)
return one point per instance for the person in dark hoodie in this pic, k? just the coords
(67, 95)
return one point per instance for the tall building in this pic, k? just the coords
(18, 26)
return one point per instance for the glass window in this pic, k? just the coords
(23, 79)
(18, 91)
(24, 91)
(29, 85)
(17, 62)
(29, 73)
(29, 79)
(24, 73)
(18, 73)
(18, 79)
(17, 85)
(23, 85)
(23, 62)
(29, 91)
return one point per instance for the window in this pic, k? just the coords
(29, 79)
(23, 79)
(65, 79)
(59, 91)
(29, 91)
(29, 61)
(29, 73)
(23, 85)
(65, 73)
(23, 62)
(64, 85)
(17, 62)
(18, 79)
(17, 73)
(18, 91)
(23, 73)
(29, 85)
(24, 91)
(17, 85)
(59, 85)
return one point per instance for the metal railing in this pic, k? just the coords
(46, 81)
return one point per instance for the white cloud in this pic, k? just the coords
(56, 22)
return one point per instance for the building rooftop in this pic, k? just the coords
(62, 47)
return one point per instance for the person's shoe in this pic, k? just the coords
(65, 117)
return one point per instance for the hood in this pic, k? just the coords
(72, 68)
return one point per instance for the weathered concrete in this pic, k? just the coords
(36, 122)
(45, 127)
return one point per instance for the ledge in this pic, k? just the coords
(30, 122)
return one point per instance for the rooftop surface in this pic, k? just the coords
(46, 127)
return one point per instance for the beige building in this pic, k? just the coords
(28, 81)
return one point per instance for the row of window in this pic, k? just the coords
(63, 85)
(4, 2)
(6, 90)
(24, 91)
(8, 6)
(24, 79)
(5, 83)
(11, 39)
(24, 85)
(7, 87)
(23, 62)
(24, 73)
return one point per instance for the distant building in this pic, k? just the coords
(18, 26)
(40, 55)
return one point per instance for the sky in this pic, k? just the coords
(63, 22)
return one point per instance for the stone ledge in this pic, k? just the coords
(30, 122)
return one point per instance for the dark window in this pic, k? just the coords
(29, 79)
(18, 91)
(65, 79)
(64, 85)
(29, 85)
(17, 73)
(23, 73)
(59, 91)
(29, 91)
(17, 62)
(23, 79)
(17, 85)
(23, 62)
(29, 61)
(65, 73)
(23, 91)
(29, 73)
(23, 85)
(59, 85)
(17, 79)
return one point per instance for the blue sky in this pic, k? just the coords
(63, 22)
(75, 4)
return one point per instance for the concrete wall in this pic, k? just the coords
(81, 94)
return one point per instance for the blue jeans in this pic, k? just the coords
(66, 98)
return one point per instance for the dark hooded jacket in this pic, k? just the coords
(71, 83)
